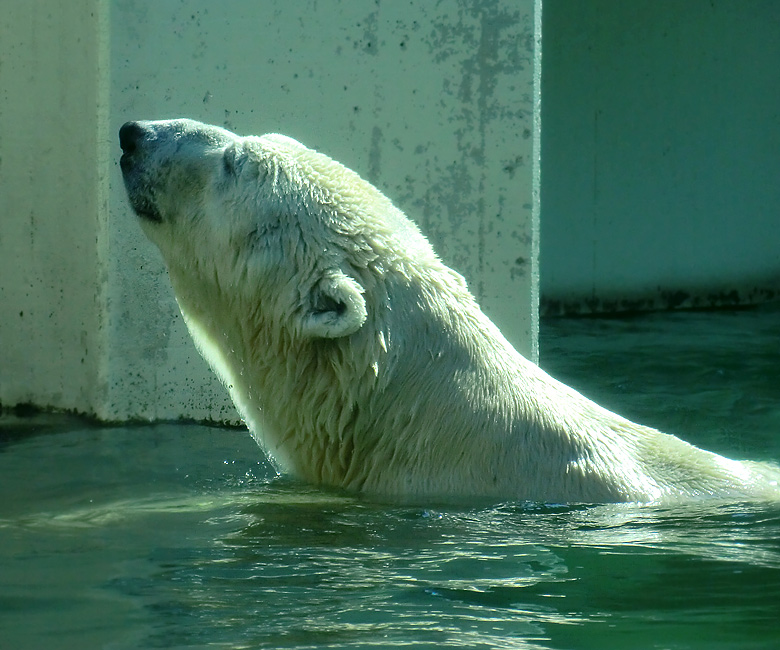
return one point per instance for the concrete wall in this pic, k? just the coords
(660, 153)
(434, 104)
(53, 184)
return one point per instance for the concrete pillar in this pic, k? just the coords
(53, 209)
(436, 105)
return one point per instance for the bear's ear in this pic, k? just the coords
(335, 308)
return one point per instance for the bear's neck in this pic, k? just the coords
(389, 400)
(300, 398)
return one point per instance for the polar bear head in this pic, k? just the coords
(264, 215)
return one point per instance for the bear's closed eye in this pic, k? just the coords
(230, 161)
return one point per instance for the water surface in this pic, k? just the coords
(182, 536)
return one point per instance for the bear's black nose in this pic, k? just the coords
(129, 135)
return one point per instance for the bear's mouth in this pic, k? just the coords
(142, 203)
(138, 192)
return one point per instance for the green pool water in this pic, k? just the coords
(181, 536)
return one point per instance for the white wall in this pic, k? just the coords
(435, 105)
(660, 153)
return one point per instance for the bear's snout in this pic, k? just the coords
(129, 135)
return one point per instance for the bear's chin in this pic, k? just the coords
(144, 208)
(148, 215)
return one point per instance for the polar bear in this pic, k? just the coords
(357, 358)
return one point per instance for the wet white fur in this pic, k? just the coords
(360, 360)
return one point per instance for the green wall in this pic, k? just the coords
(660, 153)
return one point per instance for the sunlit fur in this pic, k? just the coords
(360, 360)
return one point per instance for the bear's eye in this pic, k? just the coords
(231, 161)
